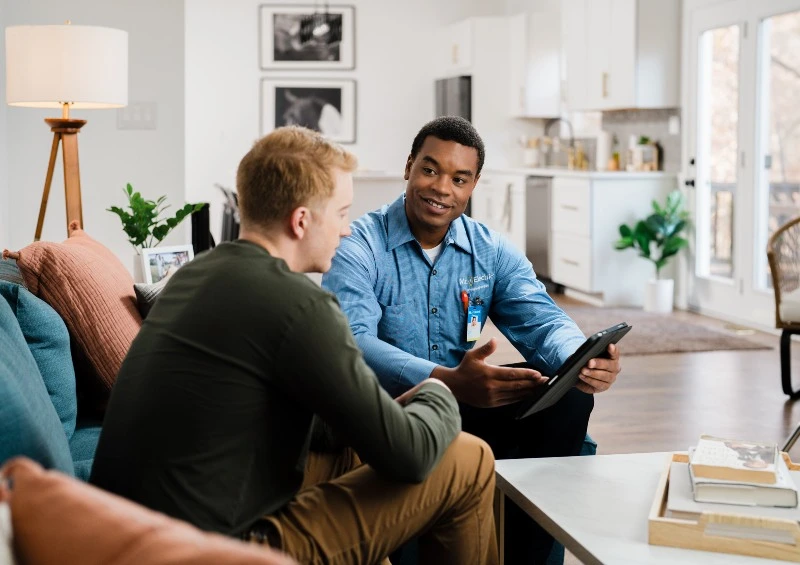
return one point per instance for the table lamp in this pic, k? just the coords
(63, 66)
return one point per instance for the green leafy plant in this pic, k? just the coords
(657, 238)
(144, 222)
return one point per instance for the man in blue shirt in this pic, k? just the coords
(412, 276)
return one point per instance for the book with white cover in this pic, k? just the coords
(734, 460)
(682, 505)
(782, 493)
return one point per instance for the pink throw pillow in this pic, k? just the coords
(58, 519)
(92, 291)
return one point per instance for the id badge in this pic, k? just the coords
(474, 315)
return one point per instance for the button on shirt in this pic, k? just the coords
(408, 317)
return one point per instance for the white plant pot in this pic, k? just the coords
(138, 270)
(658, 296)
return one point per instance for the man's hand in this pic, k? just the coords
(479, 384)
(599, 374)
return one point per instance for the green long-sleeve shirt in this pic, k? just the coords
(209, 418)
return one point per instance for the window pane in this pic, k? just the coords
(780, 104)
(718, 144)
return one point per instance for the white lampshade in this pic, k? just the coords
(47, 66)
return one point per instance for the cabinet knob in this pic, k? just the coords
(689, 182)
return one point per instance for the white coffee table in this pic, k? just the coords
(598, 507)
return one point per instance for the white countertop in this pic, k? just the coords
(561, 172)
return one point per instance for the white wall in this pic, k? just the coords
(394, 73)
(152, 160)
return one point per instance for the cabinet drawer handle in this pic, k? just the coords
(605, 85)
(571, 262)
(570, 207)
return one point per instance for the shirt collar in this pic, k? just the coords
(400, 231)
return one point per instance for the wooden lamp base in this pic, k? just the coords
(65, 132)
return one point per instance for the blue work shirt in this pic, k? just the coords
(407, 313)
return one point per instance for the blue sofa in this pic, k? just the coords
(39, 411)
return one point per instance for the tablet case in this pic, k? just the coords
(568, 374)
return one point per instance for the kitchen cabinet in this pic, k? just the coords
(585, 217)
(535, 65)
(457, 52)
(621, 53)
(499, 202)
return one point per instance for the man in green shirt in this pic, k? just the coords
(209, 420)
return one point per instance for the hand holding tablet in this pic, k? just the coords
(568, 375)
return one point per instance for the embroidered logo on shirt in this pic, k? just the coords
(470, 281)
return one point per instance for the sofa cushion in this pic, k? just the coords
(48, 341)
(29, 424)
(146, 294)
(57, 519)
(92, 291)
(83, 446)
(9, 271)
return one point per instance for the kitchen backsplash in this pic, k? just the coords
(651, 123)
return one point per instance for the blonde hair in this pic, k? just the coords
(288, 168)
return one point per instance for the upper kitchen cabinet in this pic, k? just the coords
(621, 53)
(458, 49)
(535, 59)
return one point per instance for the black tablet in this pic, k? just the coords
(568, 374)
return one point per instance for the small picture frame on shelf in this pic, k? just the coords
(324, 105)
(307, 37)
(161, 262)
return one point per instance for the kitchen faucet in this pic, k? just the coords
(566, 121)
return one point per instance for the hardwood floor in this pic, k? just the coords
(665, 402)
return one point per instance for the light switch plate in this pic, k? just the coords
(138, 115)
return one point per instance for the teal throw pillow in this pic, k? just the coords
(29, 424)
(48, 340)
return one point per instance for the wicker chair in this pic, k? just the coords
(783, 253)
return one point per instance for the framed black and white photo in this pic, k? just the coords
(307, 36)
(324, 105)
(161, 262)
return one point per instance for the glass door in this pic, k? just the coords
(744, 150)
(715, 79)
(778, 173)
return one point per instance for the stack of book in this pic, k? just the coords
(740, 472)
(726, 476)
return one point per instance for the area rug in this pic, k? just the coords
(657, 333)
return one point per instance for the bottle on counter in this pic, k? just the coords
(530, 154)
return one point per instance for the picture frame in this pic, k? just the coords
(307, 37)
(324, 105)
(158, 261)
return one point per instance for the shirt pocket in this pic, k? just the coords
(401, 326)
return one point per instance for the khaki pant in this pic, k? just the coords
(346, 513)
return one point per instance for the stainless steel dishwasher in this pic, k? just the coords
(537, 224)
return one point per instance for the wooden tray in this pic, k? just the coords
(691, 534)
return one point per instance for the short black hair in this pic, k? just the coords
(451, 128)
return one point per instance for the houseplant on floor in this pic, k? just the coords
(657, 238)
(146, 225)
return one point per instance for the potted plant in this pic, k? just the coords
(145, 224)
(657, 238)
